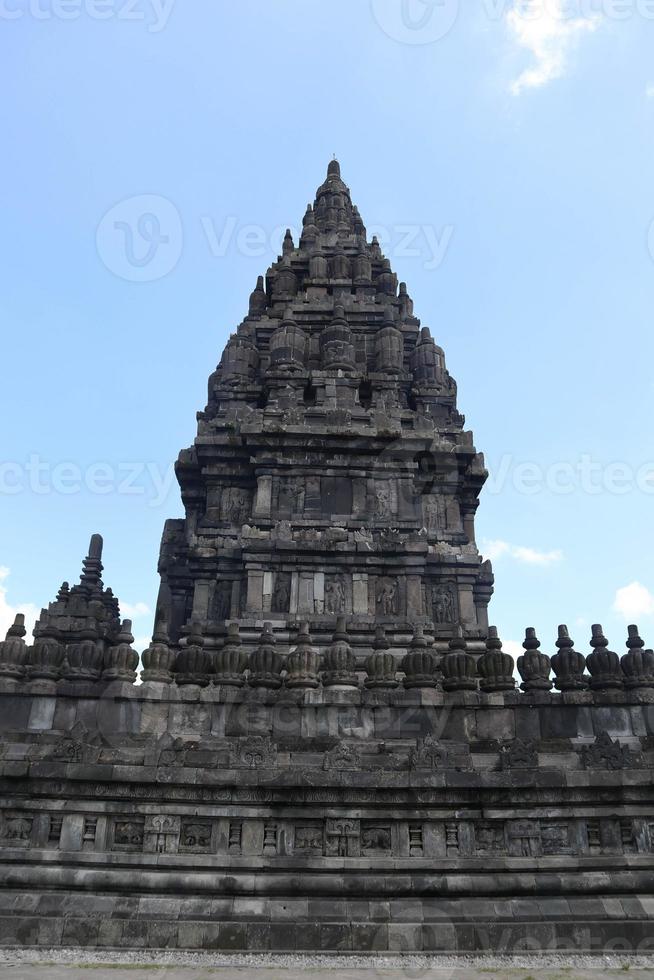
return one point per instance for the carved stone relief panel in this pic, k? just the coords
(291, 493)
(16, 829)
(524, 838)
(336, 594)
(195, 836)
(433, 513)
(342, 837)
(236, 505)
(445, 610)
(281, 596)
(387, 596)
(489, 837)
(375, 838)
(128, 833)
(161, 834)
(384, 499)
(556, 837)
(309, 839)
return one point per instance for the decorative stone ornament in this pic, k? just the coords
(230, 662)
(534, 667)
(84, 660)
(159, 658)
(266, 664)
(343, 756)
(336, 343)
(568, 664)
(459, 667)
(339, 663)
(519, 754)
(46, 657)
(193, 664)
(121, 660)
(638, 663)
(381, 666)
(303, 663)
(495, 667)
(258, 300)
(420, 665)
(13, 651)
(603, 664)
(605, 753)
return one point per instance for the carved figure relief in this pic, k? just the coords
(386, 597)
(431, 514)
(383, 501)
(281, 598)
(444, 606)
(291, 496)
(235, 505)
(335, 595)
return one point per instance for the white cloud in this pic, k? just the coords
(133, 611)
(514, 647)
(8, 611)
(141, 643)
(634, 600)
(649, 91)
(529, 556)
(548, 33)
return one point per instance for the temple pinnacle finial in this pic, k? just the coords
(334, 168)
(92, 566)
(95, 546)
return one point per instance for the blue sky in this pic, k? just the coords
(504, 152)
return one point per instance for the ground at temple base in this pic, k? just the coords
(80, 964)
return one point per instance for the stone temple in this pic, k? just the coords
(327, 748)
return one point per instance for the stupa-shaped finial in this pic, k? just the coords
(92, 566)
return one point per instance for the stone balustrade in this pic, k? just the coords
(89, 661)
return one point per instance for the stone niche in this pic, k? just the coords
(336, 496)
